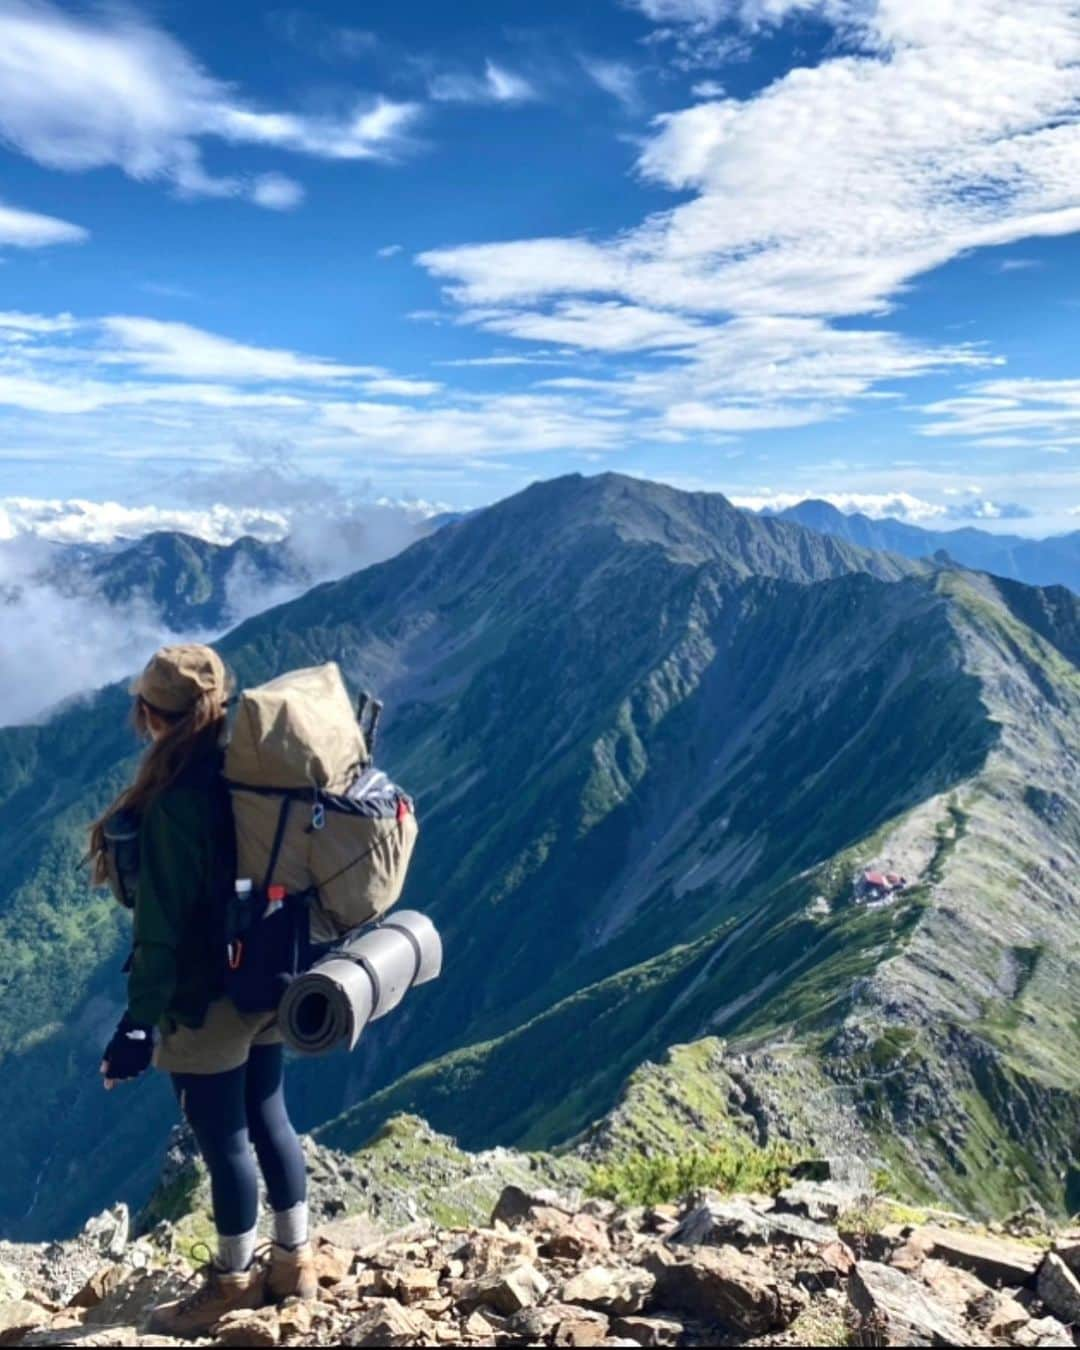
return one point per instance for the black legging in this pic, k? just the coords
(228, 1112)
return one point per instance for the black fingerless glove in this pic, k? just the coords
(129, 1052)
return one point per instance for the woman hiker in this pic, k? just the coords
(226, 1066)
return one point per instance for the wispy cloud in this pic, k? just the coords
(27, 229)
(495, 85)
(1010, 413)
(81, 92)
(617, 78)
(277, 192)
(935, 132)
(178, 349)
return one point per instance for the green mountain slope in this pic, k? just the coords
(653, 740)
(190, 582)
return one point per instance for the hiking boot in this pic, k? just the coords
(220, 1293)
(291, 1273)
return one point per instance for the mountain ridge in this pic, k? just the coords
(697, 754)
(1035, 562)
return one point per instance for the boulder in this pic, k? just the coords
(507, 1292)
(560, 1324)
(648, 1330)
(109, 1231)
(996, 1261)
(131, 1303)
(332, 1263)
(570, 1238)
(725, 1285)
(720, 1223)
(389, 1325)
(895, 1306)
(1046, 1331)
(295, 1319)
(821, 1201)
(18, 1317)
(609, 1289)
(1067, 1246)
(513, 1205)
(255, 1328)
(416, 1284)
(999, 1314)
(100, 1285)
(953, 1285)
(1059, 1289)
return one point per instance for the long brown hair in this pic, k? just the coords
(187, 736)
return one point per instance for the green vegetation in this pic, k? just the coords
(725, 1167)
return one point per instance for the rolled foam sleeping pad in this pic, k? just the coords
(361, 980)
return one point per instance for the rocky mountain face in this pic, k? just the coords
(657, 745)
(192, 584)
(1036, 562)
(817, 1258)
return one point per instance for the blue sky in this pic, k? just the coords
(777, 248)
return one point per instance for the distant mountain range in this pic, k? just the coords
(190, 583)
(655, 742)
(1037, 562)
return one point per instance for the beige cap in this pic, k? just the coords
(174, 677)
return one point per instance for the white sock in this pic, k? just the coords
(291, 1226)
(235, 1254)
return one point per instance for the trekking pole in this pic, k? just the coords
(376, 713)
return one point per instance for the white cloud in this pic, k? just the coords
(27, 229)
(81, 92)
(822, 196)
(61, 627)
(876, 505)
(277, 192)
(501, 424)
(390, 251)
(1010, 412)
(496, 85)
(78, 521)
(161, 348)
(16, 326)
(616, 78)
(392, 387)
(130, 387)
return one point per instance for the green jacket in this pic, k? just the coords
(186, 858)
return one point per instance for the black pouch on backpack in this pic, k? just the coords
(267, 937)
(268, 946)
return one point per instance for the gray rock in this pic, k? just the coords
(508, 1292)
(894, 1306)
(820, 1201)
(1059, 1289)
(1046, 1331)
(109, 1232)
(131, 1304)
(610, 1290)
(718, 1223)
(996, 1261)
(648, 1330)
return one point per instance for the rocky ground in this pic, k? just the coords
(815, 1265)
